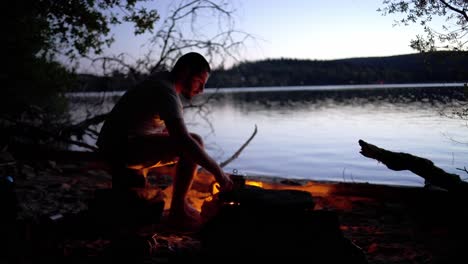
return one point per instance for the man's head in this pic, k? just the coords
(191, 73)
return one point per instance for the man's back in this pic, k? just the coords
(141, 111)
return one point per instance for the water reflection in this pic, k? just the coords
(314, 134)
(298, 98)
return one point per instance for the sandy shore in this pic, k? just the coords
(390, 224)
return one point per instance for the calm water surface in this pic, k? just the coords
(313, 132)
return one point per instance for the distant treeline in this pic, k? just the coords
(435, 67)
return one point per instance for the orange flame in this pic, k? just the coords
(254, 183)
(204, 187)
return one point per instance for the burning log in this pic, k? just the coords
(420, 166)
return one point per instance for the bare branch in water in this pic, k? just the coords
(464, 169)
(237, 153)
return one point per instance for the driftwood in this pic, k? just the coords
(420, 166)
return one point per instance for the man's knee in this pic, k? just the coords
(197, 138)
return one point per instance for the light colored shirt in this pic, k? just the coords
(142, 111)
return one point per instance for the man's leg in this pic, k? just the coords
(186, 171)
(152, 149)
(123, 178)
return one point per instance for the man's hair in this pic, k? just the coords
(194, 62)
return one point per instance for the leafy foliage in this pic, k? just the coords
(36, 32)
(452, 36)
(77, 27)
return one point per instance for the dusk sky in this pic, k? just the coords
(321, 30)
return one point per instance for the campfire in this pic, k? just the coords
(204, 186)
(259, 214)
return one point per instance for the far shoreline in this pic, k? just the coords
(210, 90)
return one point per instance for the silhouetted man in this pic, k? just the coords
(146, 126)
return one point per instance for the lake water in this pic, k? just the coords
(313, 132)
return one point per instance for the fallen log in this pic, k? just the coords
(423, 167)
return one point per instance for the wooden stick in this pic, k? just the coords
(237, 153)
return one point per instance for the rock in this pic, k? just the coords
(267, 224)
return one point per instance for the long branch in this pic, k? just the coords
(237, 153)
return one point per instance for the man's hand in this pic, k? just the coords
(225, 182)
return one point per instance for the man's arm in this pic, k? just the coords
(190, 148)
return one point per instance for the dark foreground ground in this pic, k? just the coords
(53, 223)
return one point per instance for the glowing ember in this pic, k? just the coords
(145, 169)
(254, 183)
(232, 203)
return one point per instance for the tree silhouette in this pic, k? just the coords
(40, 31)
(454, 32)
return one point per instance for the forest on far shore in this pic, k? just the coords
(433, 67)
